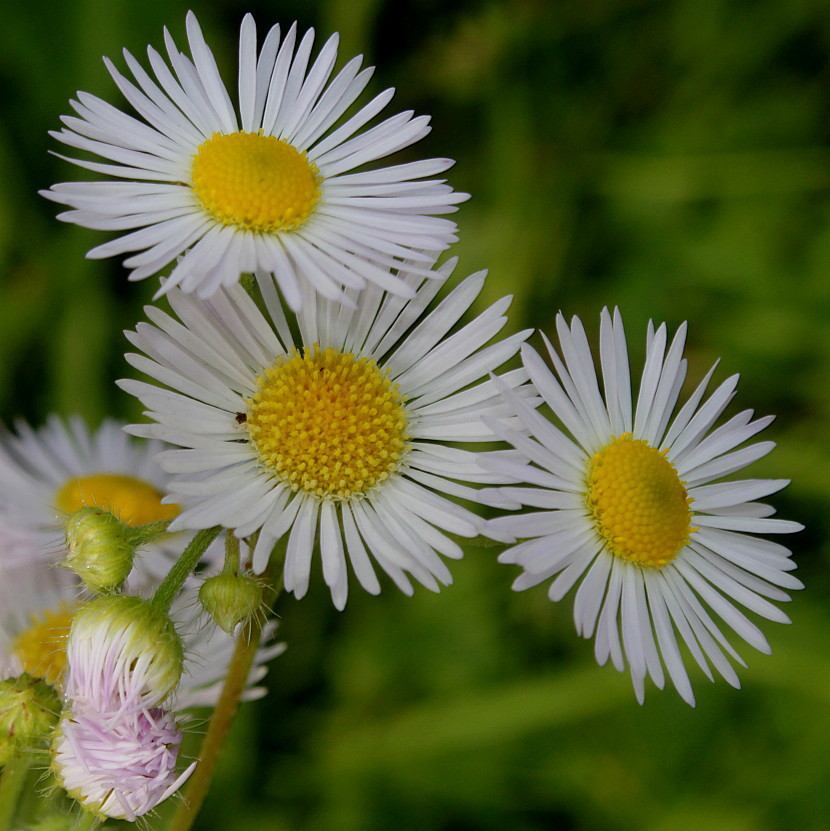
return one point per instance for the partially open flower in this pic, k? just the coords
(122, 646)
(118, 765)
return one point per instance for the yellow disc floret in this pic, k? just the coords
(41, 649)
(638, 502)
(132, 500)
(256, 182)
(328, 423)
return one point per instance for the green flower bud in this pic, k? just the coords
(98, 549)
(124, 638)
(29, 710)
(231, 599)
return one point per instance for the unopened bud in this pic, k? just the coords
(98, 549)
(29, 709)
(231, 599)
(122, 645)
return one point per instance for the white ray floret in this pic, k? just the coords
(629, 509)
(340, 431)
(268, 185)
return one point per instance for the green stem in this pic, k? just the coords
(172, 584)
(12, 780)
(223, 715)
(144, 534)
(231, 554)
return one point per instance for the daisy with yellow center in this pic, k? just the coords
(267, 186)
(339, 431)
(628, 505)
(48, 474)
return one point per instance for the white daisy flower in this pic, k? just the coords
(49, 473)
(629, 505)
(343, 428)
(268, 186)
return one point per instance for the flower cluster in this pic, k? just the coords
(320, 389)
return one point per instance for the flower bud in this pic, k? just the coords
(231, 599)
(98, 549)
(29, 709)
(122, 648)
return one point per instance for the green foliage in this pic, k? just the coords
(671, 158)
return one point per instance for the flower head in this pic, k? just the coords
(122, 647)
(267, 186)
(342, 427)
(629, 504)
(118, 765)
(50, 473)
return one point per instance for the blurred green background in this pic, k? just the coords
(669, 157)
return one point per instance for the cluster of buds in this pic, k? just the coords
(116, 746)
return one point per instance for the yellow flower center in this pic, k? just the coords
(638, 502)
(41, 649)
(259, 183)
(132, 500)
(328, 423)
